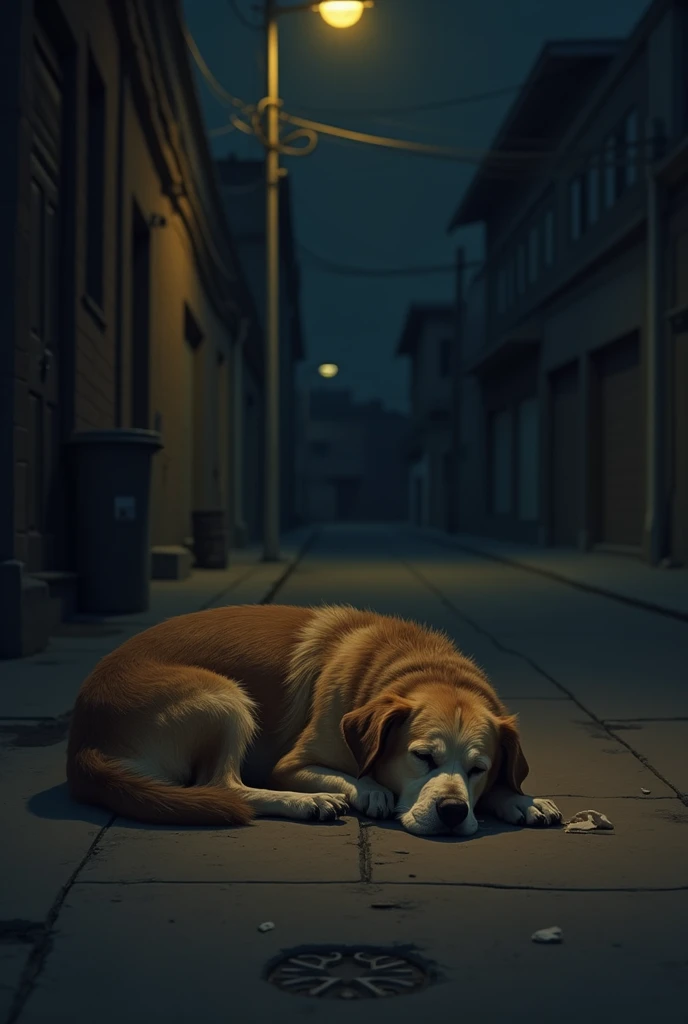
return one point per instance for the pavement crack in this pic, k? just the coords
(365, 854)
(414, 883)
(43, 939)
(505, 649)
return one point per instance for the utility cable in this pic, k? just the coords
(349, 270)
(241, 17)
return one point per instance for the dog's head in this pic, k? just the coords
(438, 749)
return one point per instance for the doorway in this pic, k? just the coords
(43, 487)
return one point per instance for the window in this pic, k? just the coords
(445, 357)
(593, 192)
(528, 460)
(631, 148)
(521, 268)
(610, 172)
(533, 254)
(95, 183)
(320, 448)
(548, 238)
(576, 208)
(501, 445)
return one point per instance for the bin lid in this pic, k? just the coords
(121, 435)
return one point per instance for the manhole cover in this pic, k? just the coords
(347, 974)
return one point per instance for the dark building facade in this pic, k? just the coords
(122, 297)
(571, 369)
(428, 341)
(351, 465)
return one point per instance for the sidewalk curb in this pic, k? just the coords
(590, 588)
(291, 566)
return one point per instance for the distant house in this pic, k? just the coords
(572, 368)
(351, 465)
(242, 184)
(428, 340)
(122, 297)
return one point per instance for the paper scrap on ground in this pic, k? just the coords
(643, 790)
(548, 935)
(266, 926)
(588, 821)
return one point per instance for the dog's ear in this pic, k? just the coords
(514, 767)
(366, 729)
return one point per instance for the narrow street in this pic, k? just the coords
(106, 920)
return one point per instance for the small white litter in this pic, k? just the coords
(266, 926)
(588, 821)
(643, 790)
(549, 936)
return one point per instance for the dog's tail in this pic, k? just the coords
(97, 779)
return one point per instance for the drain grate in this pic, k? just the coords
(348, 974)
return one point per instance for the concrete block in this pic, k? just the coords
(49, 833)
(173, 562)
(268, 850)
(189, 952)
(645, 850)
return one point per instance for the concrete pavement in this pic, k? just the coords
(108, 919)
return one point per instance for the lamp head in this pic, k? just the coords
(342, 13)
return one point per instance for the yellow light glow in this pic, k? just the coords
(328, 369)
(341, 13)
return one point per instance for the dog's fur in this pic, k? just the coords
(189, 722)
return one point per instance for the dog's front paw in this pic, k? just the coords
(529, 811)
(372, 799)
(540, 813)
(323, 806)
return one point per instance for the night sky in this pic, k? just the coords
(362, 206)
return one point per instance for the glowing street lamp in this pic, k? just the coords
(342, 13)
(328, 369)
(338, 14)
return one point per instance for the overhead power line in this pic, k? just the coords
(417, 108)
(350, 270)
(497, 163)
(241, 17)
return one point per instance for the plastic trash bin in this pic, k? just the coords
(112, 513)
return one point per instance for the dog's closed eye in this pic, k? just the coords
(477, 769)
(426, 757)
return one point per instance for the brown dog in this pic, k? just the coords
(330, 707)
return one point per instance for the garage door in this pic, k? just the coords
(565, 483)
(621, 444)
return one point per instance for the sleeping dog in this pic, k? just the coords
(219, 716)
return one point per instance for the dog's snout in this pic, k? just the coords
(451, 810)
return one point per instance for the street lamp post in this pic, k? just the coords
(339, 14)
(271, 523)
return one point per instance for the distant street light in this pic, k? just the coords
(328, 369)
(342, 13)
(339, 14)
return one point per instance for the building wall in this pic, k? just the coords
(587, 309)
(432, 394)
(151, 131)
(187, 472)
(352, 462)
(677, 374)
